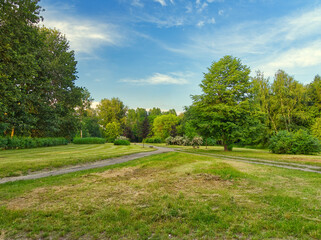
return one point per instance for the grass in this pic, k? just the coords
(167, 196)
(24, 161)
(253, 153)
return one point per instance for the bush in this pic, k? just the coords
(89, 140)
(197, 141)
(153, 140)
(209, 142)
(169, 140)
(121, 142)
(27, 142)
(294, 143)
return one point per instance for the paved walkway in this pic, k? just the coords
(76, 168)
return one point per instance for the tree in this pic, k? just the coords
(112, 111)
(20, 41)
(165, 125)
(226, 101)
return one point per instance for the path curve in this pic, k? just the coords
(80, 167)
(286, 165)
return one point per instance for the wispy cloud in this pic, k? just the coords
(161, 2)
(85, 35)
(160, 79)
(268, 41)
(137, 3)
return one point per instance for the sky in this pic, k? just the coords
(153, 53)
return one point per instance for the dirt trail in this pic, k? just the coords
(76, 168)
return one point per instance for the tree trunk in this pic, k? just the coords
(12, 132)
(225, 148)
(80, 133)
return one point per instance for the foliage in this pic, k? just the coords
(165, 125)
(153, 140)
(222, 110)
(112, 131)
(37, 75)
(121, 142)
(27, 142)
(294, 143)
(197, 141)
(316, 128)
(89, 140)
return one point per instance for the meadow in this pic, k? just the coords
(25, 161)
(168, 196)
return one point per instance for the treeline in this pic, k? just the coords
(38, 94)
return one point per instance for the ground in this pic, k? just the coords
(24, 161)
(168, 196)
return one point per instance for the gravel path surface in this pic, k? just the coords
(76, 168)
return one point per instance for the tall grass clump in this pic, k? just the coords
(28, 142)
(89, 140)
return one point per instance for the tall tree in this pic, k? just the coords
(223, 107)
(112, 112)
(19, 44)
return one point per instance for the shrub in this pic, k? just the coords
(197, 141)
(121, 142)
(294, 143)
(169, 140)
(27, 142)
(209, 142)
(153, 140)
(89, 140)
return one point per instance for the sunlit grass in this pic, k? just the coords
(173, 195)
(23, 161)
(263, 154)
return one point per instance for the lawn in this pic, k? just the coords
(168, 196)
(24, 161)
(263, 154)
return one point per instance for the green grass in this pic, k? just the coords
(24, 161)
(254, 153)
(167, 196)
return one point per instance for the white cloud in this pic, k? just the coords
(221, 12)
(200, 24)
(295, 57)
(160, 79)
(211, 21)
(264, 43)
(84, 35)
(161, 2)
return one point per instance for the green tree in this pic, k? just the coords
(112, 111)
(20, 41)
(165, 125)
(112, 131)
(223, 107)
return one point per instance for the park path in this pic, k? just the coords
(80, 167)
(287, 165)
(126, 158)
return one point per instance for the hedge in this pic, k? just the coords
(89, 140)
(28, 142)
(153, 140)
(294, 143)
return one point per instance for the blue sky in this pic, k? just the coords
(153, 53)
